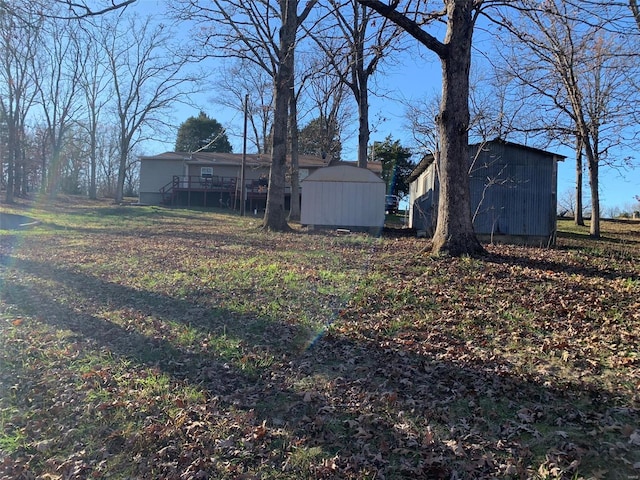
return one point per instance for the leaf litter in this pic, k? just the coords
(196, 346)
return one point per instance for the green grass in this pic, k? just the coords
(143, 342)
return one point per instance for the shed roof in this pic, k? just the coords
(428, 159)
(343, 173)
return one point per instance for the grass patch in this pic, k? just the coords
(143, 342)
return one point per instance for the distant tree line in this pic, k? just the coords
(81, 90)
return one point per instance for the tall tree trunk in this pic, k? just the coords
(577, 215)
(360, 85)
(593, 161)
(93, 165)
(454, 233)
(11, 165)
(594, 225)
(122, 165)
(53, 177)
(275, 215)
(363, 122)
(19, 176)
(363, 115)
(294, 210)
(43, 166)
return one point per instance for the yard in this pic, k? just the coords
(152, 343)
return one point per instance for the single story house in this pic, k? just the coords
(513, 191)
(212, 179)
(343, 196)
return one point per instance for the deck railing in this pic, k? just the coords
(254, 189)
(214, 183)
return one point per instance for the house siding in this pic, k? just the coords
(158, 171)
(227, 171)
(156, 174)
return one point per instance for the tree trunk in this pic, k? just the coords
(594, 225)
(363, 124)
(593, 161)
(578, 217)
(454, 233)
(122, 170)
(275, 215)
(294, 210)
(43, 166)
(53, 176)
(11, 165)
(19, 182)
(93, 193)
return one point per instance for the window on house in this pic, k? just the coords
(206, 172)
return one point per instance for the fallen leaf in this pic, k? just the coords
(260, 431)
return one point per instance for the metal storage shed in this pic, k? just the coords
(343, 196)
(513, 193)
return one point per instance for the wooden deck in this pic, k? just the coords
(213, 192)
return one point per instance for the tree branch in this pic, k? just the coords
(412, 27)
(84, 11)
(635, 10)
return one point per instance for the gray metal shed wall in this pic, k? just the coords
(513, 192)
(512, 189)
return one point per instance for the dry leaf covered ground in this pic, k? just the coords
(141, 342)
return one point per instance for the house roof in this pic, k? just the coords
(428, 159)
(232, 159)
(252, 160)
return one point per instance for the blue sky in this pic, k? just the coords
(415, 76)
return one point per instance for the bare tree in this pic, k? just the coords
(58, 79)
(19, 42)
(354, 48)
(94, 83)
(454, 230)
(498, 108)
(107, 157)
(328, 106)
(495, 110)
(274, 218)
(242, 78)
(421, 121)
(265, 33)
(147, 81)
(577, 67)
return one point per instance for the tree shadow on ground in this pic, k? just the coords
(550, 265)
(341, 408)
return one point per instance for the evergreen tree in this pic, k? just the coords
(396, 165)
(202, 134)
